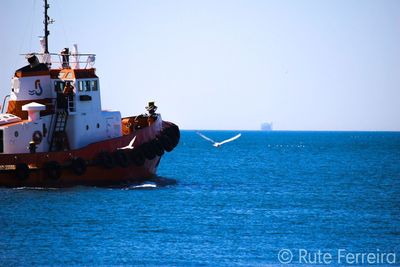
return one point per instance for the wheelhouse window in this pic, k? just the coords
(81, 86)
(59, 86)
(93, 84)
(87, 87)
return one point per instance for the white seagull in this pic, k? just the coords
(130, 146)
(218, 144)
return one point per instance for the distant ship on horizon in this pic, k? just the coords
(266, 126)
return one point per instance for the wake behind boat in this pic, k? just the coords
(55, 133)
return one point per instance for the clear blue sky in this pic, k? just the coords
(304, 65)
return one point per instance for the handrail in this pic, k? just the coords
(4, 103)
(70, 59)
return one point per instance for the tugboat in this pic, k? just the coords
(54, 132)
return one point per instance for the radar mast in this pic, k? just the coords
(46, 22)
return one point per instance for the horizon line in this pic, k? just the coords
(278, 130)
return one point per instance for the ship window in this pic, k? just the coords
(80, 86)
(94, 85)
(98, 125)
(87, 86)
(87, 127)
(59, 86)
(16, 133)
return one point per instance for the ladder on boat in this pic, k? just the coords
(59, 139)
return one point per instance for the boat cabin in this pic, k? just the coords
(57, 108)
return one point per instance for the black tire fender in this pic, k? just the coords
(149, 150)
(22, 171)
(106, 160)
(158, 147)
(79, 166)
(121, 158)
(166, 143)
(137, 157)
(176, 132)
(173, 133)
(52, 170)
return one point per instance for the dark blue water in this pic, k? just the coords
(236, 205)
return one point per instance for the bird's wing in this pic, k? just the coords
(230, 139)
(132, 141)
(205, 137)
(130, 146)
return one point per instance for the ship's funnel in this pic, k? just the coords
(33, 109)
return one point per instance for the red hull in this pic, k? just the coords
(95, 173)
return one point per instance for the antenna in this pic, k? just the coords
(46, 22)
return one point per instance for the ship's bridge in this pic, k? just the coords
(45, 77)
(83, 86)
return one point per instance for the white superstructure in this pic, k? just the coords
(64, 108)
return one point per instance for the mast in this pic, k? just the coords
(46, 22)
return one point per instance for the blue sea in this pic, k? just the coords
(267, 198)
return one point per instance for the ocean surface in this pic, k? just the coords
(266, 198)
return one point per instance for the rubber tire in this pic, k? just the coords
(148, 150)
(53, 170)
(22, 171)
(79, 166)
(121, 158)
(166, 143)
(174, 131)
(158, 147)
(174, 134)
(137, 157)
(106, 160)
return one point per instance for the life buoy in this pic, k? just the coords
(159, 149)
(166, 143)
(106, 160)
(137, 156)
(37, 137)
(78, 166)
(148, 150)
(121, 158)
(53, 170)
(22, 171)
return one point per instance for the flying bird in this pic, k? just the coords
(218, 144)
(130, 146)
